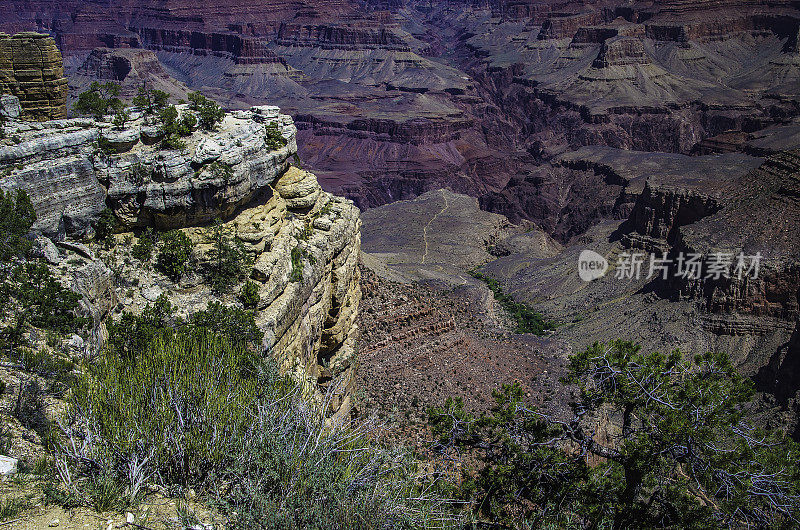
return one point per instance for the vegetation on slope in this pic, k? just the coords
(527, 319)
(193, 405)
(685, 456)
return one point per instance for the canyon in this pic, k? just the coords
(621, 127)
(392, 99)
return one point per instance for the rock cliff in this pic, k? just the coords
(303, 242)
(131, 68)
(31, 69)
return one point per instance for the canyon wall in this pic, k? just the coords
(303, 242)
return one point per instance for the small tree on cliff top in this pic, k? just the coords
(100, 99)
(210, 114)
(686, 457)
(151, 101)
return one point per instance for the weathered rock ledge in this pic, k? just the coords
(70, 178)
(304, 243)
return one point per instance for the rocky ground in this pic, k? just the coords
(429, 330)
(423, 344)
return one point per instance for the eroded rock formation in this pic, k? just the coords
(303, 243)
(31, 69)
(130, 68)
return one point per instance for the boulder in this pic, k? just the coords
(44, 248)
(299, 188)
(122, 140)
(8, 465)
(9, 106)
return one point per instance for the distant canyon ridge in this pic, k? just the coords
(492, 99)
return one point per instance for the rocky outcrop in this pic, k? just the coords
(130, 68)
(621, 51)
(659, 213)
(566, 26)
(229, 45)
(71, 180)
(759, 215)
(303, 243)
(55, 163)
(31, 69)
(310, 288)
(148, 186)
(343, 36)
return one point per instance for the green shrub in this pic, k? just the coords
(188, 124)
(143, 249)
(299, 256)
(168, 116)
(174, 128)
(221, 170)
(121, 118)
(249, 295)
(11, 507)
(296, 161)
(210, 114)
(139, 173)
(273, 137)
(105, 225)
(129, 335)
(686, 455)
(297, 264)
(227, 261)
(288, 459)
(106, 146)
(29, 409)
(16, 218)
(196, 411)
(239, 326)
(171, 141)
(175, 254)
(43, 362)
(306, 232)
(41, 301)
(98, 100)
(527, 319)
(177, 405)
(151, 101)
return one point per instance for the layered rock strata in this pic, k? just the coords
(31, 69)
(130, 68)
(303, 242)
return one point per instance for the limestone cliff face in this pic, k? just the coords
(70, 179)
(149, 186)
(54, 162)
(303, 242)
(305, 245)
(31, 69)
